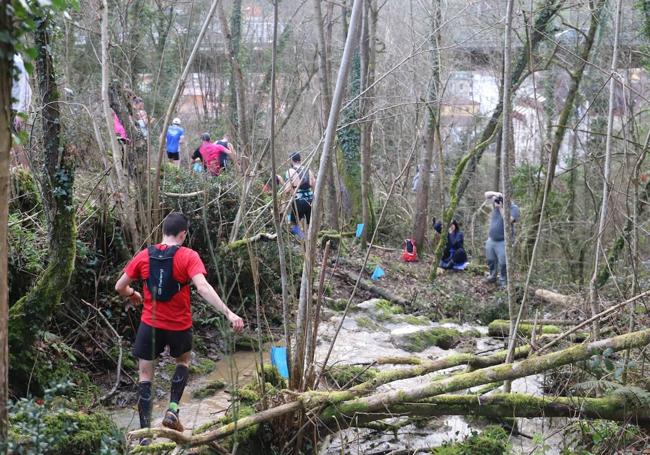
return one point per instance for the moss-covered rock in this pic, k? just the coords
(209, 389)
(415, 320)
(492, 440)
(365, 322)
(336, 304)
(386, 311)
(420, 340)
(471, 333)
(202, 367)
(349, 375)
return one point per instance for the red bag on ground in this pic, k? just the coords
(409, 251)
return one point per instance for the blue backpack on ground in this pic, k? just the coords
(161, 283)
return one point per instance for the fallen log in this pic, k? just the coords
(501, 328)
(505, 372)
(351, 277)
(556, 298)
(339, 403)
(262, 236)
(516, 405)
(550, 322)
(383, 377)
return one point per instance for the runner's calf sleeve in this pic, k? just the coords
(145, 402)
(179, 380)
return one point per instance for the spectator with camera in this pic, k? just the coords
(495, 248)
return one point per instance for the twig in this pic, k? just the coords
(118, 372)
(592, 319)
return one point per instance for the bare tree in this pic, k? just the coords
(593, 302)
(297, 364)
(421, 218)
(6, 80)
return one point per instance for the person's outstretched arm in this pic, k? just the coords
(492, 194)
(208, 293)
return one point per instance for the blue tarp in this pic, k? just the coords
(378, 273)
(359, 232)
(279, 360)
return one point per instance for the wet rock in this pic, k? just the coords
(419, 339)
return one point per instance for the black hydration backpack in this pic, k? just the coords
(305, 183)
(161, 281)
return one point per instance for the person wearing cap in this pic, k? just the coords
(229, 154)
(175, 136)
(210, 154)
(300, 182)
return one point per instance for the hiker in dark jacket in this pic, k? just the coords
(300, 181)
(455, 250)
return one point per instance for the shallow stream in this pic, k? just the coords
(366, 334)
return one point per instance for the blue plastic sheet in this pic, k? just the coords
(377, 273)
(359, 232)
(279, 360)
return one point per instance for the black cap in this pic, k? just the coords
(205, 137)
(295, 157)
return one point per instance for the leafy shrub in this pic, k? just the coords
(493, 440)
(50, 426)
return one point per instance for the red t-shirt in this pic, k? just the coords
(176, 313)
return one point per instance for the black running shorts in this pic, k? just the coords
(300, 208)
(150, 342)
(175, 156)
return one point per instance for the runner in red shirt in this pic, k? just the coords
(167, 320)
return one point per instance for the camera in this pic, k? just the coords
(498, 200)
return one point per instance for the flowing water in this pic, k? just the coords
(366, 334)
(235, 369)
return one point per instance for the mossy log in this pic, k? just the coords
(262, 236)
(340, 403)
(381, 378)
(504, 372)
(501, 328)
(364, 284)
(516, 405)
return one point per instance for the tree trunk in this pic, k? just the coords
(157, 215)
(349, 140)
(233, 43)
(6, 81)
(423, 190)
(593, 298)
(29, 315)
(297, 364)
(506, 184)
(543, 21)
(562, 124)
(368, 56)
(277, 220)
(331, 203)
(126, 209)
